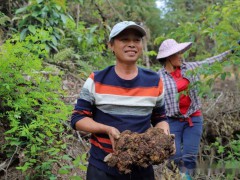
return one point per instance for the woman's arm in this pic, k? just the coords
(218, 58)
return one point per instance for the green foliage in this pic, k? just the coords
(4, 22)
(62, 55)
(3, 19)
(79, 163)
(31, 107)
(90, 46)
(84, 38)
(208, 76)
(49, 15)
(230, 156)
(176, 13)
(144, 12)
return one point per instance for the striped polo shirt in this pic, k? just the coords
(124, 104)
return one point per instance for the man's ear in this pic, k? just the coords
(110, 46)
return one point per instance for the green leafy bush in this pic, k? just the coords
(229, 156)
(90, 45)
(43, 14)
(31, 108)
(79, 163)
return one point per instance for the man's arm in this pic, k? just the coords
(82, 114)
(89, 125)
(159, 117)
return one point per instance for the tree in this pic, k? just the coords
(177, 12)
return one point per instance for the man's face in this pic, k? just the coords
(127, 46)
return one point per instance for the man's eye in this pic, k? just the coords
(137, 40)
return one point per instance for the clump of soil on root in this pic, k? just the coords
(151, 147)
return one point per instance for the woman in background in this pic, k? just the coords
(182, 102)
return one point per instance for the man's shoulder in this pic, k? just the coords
(148, 75)
(148, 72)
(103, 71)
(99, 74)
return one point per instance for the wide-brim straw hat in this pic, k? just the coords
(170, 47)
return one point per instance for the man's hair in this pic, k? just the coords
(111, 41)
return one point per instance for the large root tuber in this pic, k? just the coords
(151, 147)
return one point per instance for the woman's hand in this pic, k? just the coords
(113, 134)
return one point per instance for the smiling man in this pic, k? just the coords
(120, 97)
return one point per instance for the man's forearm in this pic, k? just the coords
(89, 125)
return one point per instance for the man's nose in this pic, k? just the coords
(131, 43)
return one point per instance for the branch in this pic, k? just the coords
(81, 140)
(100, 12)
(4, 166)
(119, 15)
(215, 102)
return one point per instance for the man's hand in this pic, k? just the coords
(174, 145)
(163, 125)
(113, 134)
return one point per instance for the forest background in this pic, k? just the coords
(49, 47)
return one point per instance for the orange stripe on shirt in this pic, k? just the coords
(91, 76)
(103, 140)
(160, 87)
(95, 143)
(84, 112)
(140, 91)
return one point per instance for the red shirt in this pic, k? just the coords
(184, 99)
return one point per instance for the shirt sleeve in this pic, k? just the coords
(209, 61)
(85, 103)
(159, 113)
